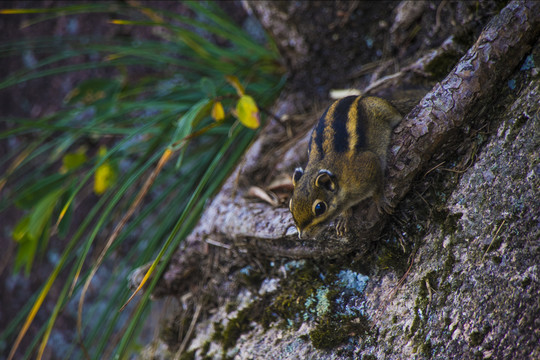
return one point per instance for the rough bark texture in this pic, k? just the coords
(464, 172)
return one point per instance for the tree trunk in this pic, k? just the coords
(454, 272)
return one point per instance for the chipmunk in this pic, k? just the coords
(347, 159)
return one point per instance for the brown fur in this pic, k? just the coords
(356, 173)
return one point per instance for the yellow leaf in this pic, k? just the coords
(233, 80)
(21, 11)
(218, 113)
(147, 11)
(105, 175)
(35, 307)
(72, 94)
(247, 112)
(121, 22)
(112, 57)
(104, 178)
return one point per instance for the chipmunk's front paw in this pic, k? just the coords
(342, 226)
(343, 222)
(384, 206)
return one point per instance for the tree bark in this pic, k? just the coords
(470, 284)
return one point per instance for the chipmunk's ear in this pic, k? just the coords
(326, 180)
(298, 172)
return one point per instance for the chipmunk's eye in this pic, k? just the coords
(319, 208)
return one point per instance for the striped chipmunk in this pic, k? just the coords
(347, 159)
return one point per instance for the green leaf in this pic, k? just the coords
(208, 87)
(72, 161)
(26, 252)
(43, 240)
(63, 225)
(21, 229)
(33, 194)
(41, 214)
(187, 122)
(30, 231)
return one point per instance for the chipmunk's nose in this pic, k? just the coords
(304, 234)
(294, 229)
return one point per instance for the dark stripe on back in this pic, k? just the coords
(361, 127)
(341, 137)
(318, 133)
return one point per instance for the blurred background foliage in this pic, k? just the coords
(120, 174)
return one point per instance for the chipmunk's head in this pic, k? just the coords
(314, 200)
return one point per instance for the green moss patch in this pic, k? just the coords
(332, 331)
(330, 298)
